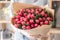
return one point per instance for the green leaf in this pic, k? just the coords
(20, 26)
(34, 14)
(25, 24)
(45, 10)
(51, 22)
(28, 18)
(49, 14)
(14, 14)
(37, 16)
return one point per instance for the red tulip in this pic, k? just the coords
(20, 13)
(37, 21)
(16, 25)
(44, 18)
(32, 25)
(25, 19)
(36, 25)
(46, 15)
(18, 22)
(43, 13)
(18, 17)
(31, 21)
(46, 22)
(25, 14)
(28, 27)
(22, 22)
(41, 23)
(40, 19)
(22, 10)
(32, 15)
(32, 10)
(48, 18)
(21, 18)
(23, 27)
(28, 23)
(29, 11)
(29, 15)
(37, 12)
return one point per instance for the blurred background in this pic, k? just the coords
(6, 14)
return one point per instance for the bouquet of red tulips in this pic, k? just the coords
(30, 18)
(33, 20)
